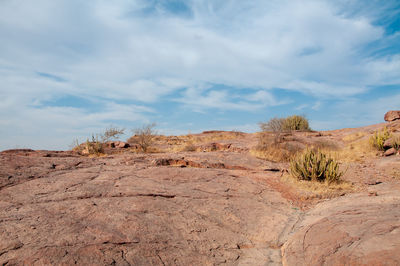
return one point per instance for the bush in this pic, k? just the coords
(94, 146)
(112, 133)
(144, 136)
(274, 124)
(295, 122)
(378, 139)
(280, 125)
(313, 165)
(290, 123)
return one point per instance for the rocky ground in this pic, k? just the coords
(206, 207)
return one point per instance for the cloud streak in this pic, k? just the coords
(138, 55)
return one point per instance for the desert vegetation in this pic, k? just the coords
(276, 142)
(112, 133)
(96, 144)
(314, 165)
(285, 193)
(287, 124)
(378, 139)
(144, 137)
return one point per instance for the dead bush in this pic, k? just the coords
(144, 137)
(112, 133)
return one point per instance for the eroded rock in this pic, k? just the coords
(392, 116)
(354, 230)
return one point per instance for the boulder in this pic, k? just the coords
(121, 144)
(110, 144)
(389, 152)
(117, 144)
(392, 115)
(388, 143)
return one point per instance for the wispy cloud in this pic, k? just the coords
(140, 55)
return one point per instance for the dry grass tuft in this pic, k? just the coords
(379, 137)
(269, 149)
(356, 151)
(273, 154)
(320, 190)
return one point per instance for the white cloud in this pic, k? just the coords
(141, 51)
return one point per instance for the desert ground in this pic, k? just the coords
(201, 199)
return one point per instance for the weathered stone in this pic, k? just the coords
(122, 144)
(388, 143)
(355, 230)
(193, 208)
(389, 152)
(392, 115)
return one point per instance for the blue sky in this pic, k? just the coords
(71, 68)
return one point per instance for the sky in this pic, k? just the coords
(69, 68)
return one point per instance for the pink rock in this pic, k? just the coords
(392, 115)
(389, 152)
(122, 144)
(388, 143)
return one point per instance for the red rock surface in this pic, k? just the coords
(357, 229)
(192, 208)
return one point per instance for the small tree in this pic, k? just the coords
(144, 136)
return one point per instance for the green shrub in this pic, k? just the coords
(313, 165)
(94, 146)
(295, 122)
(378, 139)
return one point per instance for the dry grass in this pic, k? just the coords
(191, 142)
(274, 153)
(353, 137)
(271, 149)
(214, 137)
(318, 189)
(355, 151)
(277, 150)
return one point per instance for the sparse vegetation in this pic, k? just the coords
(318, 190)
(144, 136)
(112, 133)
(295, 122)
(268, 148)
(313, 165)
(396, 142)
(270, 143)
(278, 126)
(379, 137)
(94, 146)
(189, 147)
(290, 123)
